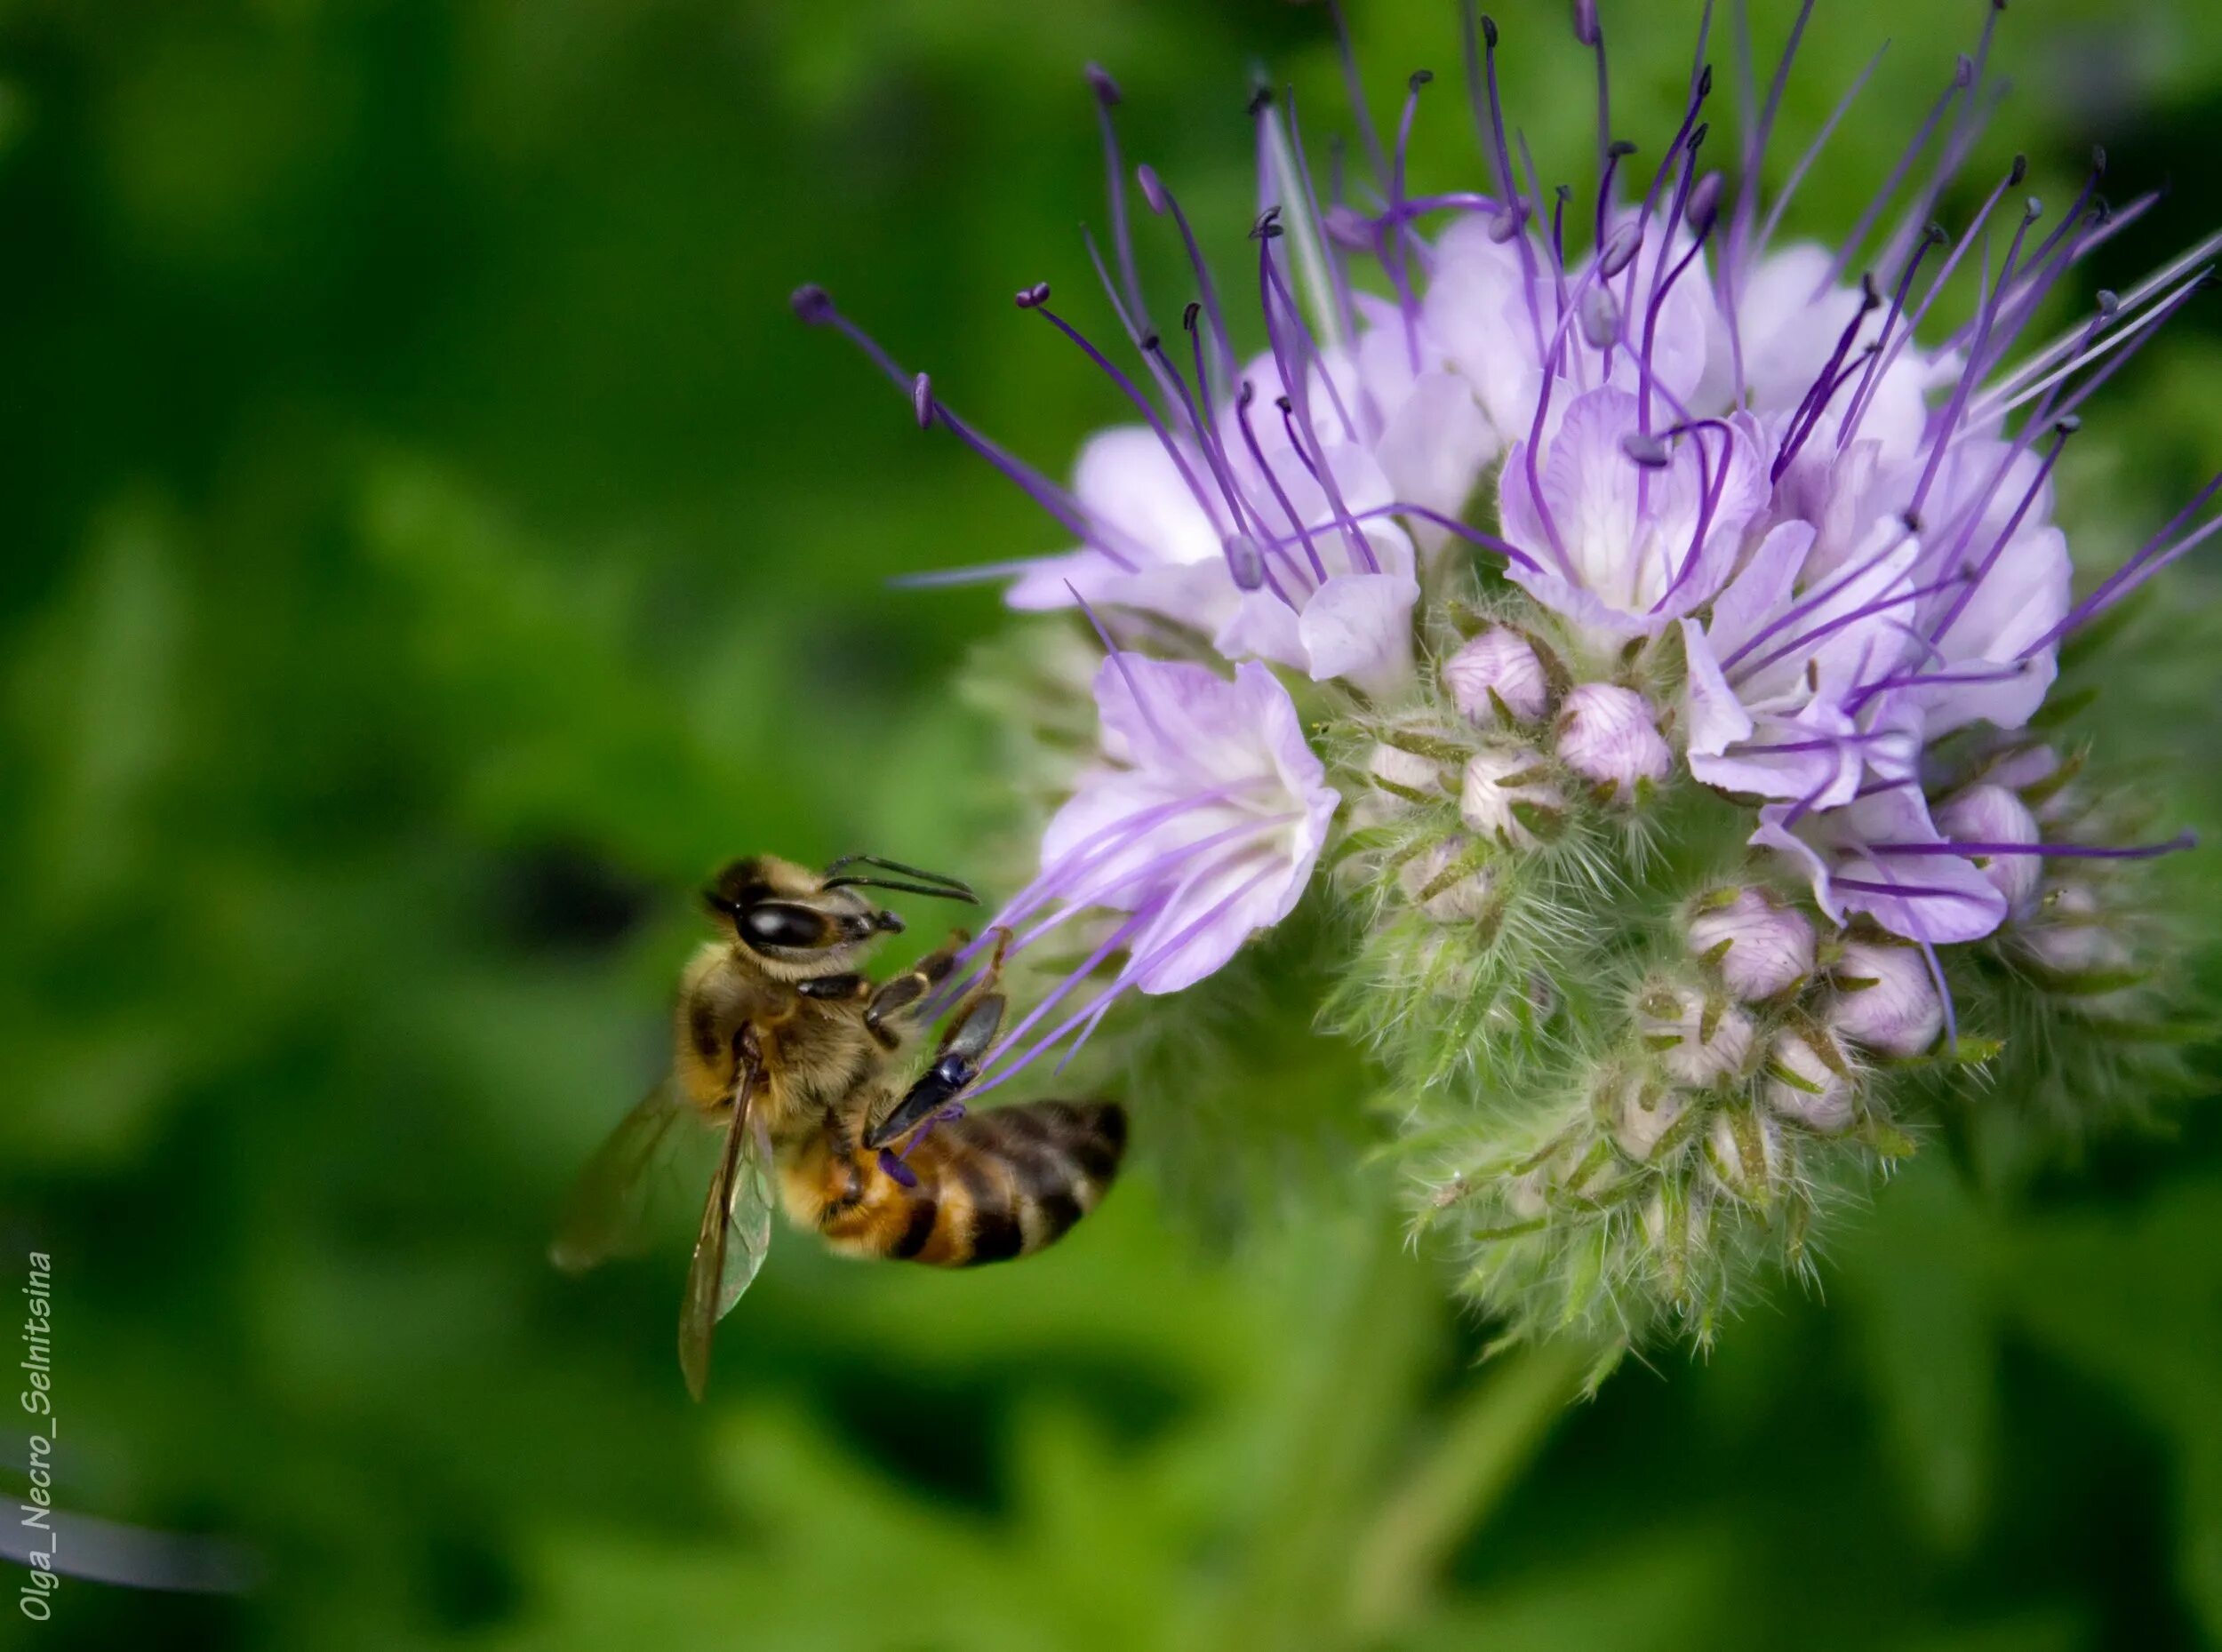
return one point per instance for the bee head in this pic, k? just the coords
(790, 922)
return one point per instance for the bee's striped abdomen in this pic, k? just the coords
(991, 1186)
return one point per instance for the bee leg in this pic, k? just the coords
(834, 987)
(894, 1004)
(970, 1034)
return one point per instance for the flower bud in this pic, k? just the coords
(1640, 1112)
(1990, 814)
(1404, 771)
(1746, 1152)
(1886, 998)
(1697, 1040)
(2070, 935)
(1608, 734)
(1510, 797)
(1808, 1082)
(1760, 946)
(1445, 881)
(1497, 675)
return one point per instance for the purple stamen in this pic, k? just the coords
(1882, 605)
(2149, 559)
(1107, 97)
(1162, 201)
(2051, 852)
(1823, 388)
(1877, 354)
(2013, 524)
(1488, 118)
(1243, 400)
(1360, 111)
(1763, 129)
(1269, 285)
(1979, 362)
(1127, 386)
(816, 306)
(1709, 495)
(1962, 80)
(1931, 679)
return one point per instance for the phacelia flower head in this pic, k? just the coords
(1676, 590)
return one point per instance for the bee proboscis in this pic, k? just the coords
(795, 1056)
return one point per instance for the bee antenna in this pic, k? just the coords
(945, 887)
(952, 892)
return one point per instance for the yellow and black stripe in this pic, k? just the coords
(991, 1186)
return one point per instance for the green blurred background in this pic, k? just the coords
(431, 545)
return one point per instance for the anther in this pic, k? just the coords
(1705, 204)
(812, 303)
(1284, 404)
(1246, 562)
(1347, 226)
(1032, 298)
(1647, 450)
(2019, 170)
(1963, 72)
(1912, 519)
(1599, 312)
(1188, 315)
(1268, 225)
(1586, 21)
(1620, 149)
(1148, 343)
(1508, 222)
(922, 399)
(2109, 302)
(2098, 160)
(1620, 248)
(1260, 101)
(1489, 31)
(1419, 77)
(2032, 210)
(1152, 191)
(1106, 89)
(2069, 425)
(1705, 83)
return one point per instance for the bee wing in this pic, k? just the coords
(607, 1213)
(735, 1235)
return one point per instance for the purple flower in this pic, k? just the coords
(1201, 827)
(1622, 530)
(1881, 855)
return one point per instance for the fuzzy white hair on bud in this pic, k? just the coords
(1885, 999)
(1641, 1114)
(1808, 1082)
(1760, 946)
(1496, 676)
(1610, 735)
(1745, 1149)
(1510, 797)
(1701, 1040)
(1446, 882)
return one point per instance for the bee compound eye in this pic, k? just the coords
(775, 923)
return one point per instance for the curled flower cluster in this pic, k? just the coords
(1650, 642)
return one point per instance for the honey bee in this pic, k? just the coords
(783, 1046)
